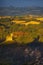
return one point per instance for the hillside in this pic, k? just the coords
(29, 54)
(23, 28)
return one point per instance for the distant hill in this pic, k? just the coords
(12, 11)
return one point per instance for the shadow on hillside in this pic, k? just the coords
(22, 54)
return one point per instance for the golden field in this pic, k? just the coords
(21, 28)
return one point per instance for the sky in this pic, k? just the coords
(21, 3)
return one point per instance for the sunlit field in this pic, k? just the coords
(21, 28)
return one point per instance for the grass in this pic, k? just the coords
(31, 25)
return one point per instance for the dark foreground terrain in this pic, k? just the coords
(14, 54)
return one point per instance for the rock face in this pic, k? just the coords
(13, 54)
